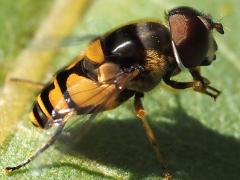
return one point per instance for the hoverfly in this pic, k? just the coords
(125, 63)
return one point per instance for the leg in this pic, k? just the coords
(33, 83)
(199, 84)
(38, 152)
(203, 87)
(139, 110)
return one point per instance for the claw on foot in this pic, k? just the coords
(7, 170)
(203, 87)
(167, 176)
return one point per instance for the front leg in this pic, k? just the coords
(140, 113)
(199, 84)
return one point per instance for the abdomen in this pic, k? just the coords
(74, 89)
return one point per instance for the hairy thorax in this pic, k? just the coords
(156, 66)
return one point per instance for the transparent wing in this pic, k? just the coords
(84, 121)
(91, 98)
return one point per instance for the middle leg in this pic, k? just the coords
(140, 112)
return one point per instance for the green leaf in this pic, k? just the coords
(199, 137)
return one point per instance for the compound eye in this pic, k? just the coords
(189, 34)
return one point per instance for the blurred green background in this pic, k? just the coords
(199, 137)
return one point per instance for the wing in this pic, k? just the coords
(87, 98)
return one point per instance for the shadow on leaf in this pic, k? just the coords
(192, 150)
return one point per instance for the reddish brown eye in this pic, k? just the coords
(189, 34)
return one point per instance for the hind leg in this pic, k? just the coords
(45, 146)
(26, 81)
